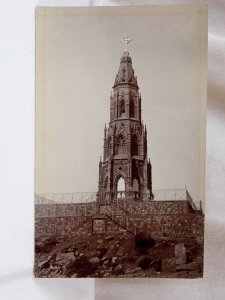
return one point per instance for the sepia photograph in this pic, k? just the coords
(121, 96)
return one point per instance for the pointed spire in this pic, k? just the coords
(125, 74)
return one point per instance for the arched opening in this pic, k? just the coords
(132, 113)
(121, 188)
(134, 146)
(121, 108)
(136, 189)
(120, 145)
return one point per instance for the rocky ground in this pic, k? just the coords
(119, 255)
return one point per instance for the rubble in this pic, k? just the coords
(108, 257)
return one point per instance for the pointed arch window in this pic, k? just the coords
(135, 146)
(132, 109)
(121, 108)
(121, 145)
(121, 188)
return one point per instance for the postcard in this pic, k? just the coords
(120, 141)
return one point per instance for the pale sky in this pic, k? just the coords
(78, 56)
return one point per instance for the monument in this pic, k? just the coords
(125, 160)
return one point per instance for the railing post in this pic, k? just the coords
(85, 210)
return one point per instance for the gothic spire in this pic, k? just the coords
(125, 74)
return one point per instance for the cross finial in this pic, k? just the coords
(126, 40)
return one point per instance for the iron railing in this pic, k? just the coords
(64, 198)
(170, 195)
(89, 197)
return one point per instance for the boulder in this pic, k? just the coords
(65, 257)
(169, 265)
(144, 262)
(118, 270)
(106, 263)
(44, 264)
(94, 260)
(132, 271)
(181, 267)
(192, 266)
(109, 238)
(99, 241)
(107, 274)
(114, 261)
(120, 252)
(38, 247)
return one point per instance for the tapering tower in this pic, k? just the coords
(125, 141)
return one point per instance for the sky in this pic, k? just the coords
(78, 53)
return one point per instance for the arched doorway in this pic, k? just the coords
(120, 188)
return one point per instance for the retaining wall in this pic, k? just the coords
(168, 219)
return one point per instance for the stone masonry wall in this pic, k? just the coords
(61, 226)
(65, 210)
(122, 207)
(158, 226)
(162, 226)
(146, 207)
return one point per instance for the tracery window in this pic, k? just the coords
(121, 145)
(121, 108)
(134, 145)
(132, 110)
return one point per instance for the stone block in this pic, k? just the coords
(118, 269)
(65, 257)
(99, 241)
(109, 238)
(192, 266)
(180, 254)
(114, 261)
(169, 265)
(120, 252)
(132, 271)
(94, 260)
(181, 267)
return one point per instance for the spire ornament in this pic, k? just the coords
(126, 40)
